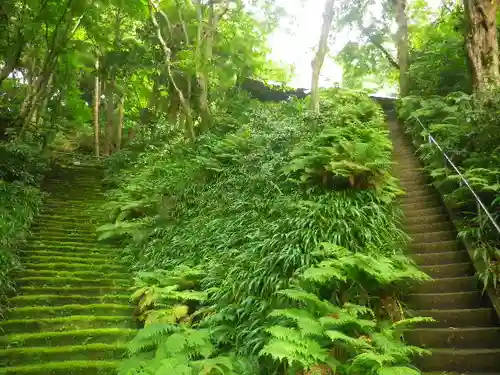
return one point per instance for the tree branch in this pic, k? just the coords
(379, 45)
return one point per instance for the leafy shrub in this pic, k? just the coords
(466, 127)
(21, 170)
(230, 210)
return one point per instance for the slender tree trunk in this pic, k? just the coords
(97, 102)
(402, 45)
(12, 60)
(319, 58)
(110, 117)
(167, 53)
(481, 42)
(119, 123)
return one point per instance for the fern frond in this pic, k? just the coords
(354, 342)
(307, 323)
(149, 337)
(398, 370)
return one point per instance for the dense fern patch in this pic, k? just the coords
(228, 236)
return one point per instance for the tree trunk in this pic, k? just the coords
(110, 109)
(12, 60)
(481, 42)
(402, 45)
(119, 123)
(97, 102)
(319, 58)
(167, 53)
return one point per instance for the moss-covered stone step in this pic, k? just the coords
(42, 255)
(60, 300)
(63, 227)
(69, 310)
(77, 264)
(446, 257)
(85, 274)
(447, 285)
(87, 367)
(76, 337)
(426, 195)
(461, 360)
(457, 300)
(76, 281)
(72, 247)
(436, 247)
(71, 290)
(426, 220)
(66, 323)
(481, 317)
(64, 219)
(429, 227)
(70, 239)
(426, 237)
(463, 338)
(59, 231)
(91, 352)
(413, 211)
(449, 270)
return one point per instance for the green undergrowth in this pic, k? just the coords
(22, 167)
(270, 246)
(466, 127)
(70, 368)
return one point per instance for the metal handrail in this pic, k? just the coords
(480, 203)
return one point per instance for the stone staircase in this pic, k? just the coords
(71, 314)
(466, 337)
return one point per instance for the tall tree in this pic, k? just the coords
(399, 7)
(319, 58)
(481, 42)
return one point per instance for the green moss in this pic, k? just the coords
(79, 274)
(70, 290)
(65, 368)
(48, 244)
(83, 336)
(75, 264)
(51, 280)
(57, 300)
(99, 351)
(48, 261)
(92, 256)
(74, 322)
(68, 310)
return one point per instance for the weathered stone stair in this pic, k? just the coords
(71, 314)
(466, 337)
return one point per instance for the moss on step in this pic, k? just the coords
(60, 300)
(83, 336)
(69, 290)
(75, 274)
(50, 280)
(71, 245)
(68, 310)
(77, 264)
(65, 323)
(64, 368)
(93, 352)
(42, 255)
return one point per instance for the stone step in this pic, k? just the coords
(42, 312)
(438, 271)
(71, 290)
(84, 275)
(76, 265)
(69, 281)
(70, 238)
(65, 323)
(464, 338)
(447, 285)
(93, 256)
(418, 198)
(419, 206)
(75, 337)
(411, 211)
(426, 237)
(427, 220)
(458, 300)
(448, 257)
(435, 247)
(90, 352)
(482, 317)
(64, 368)
(462, 360)
(60, 300)
(436, 226)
